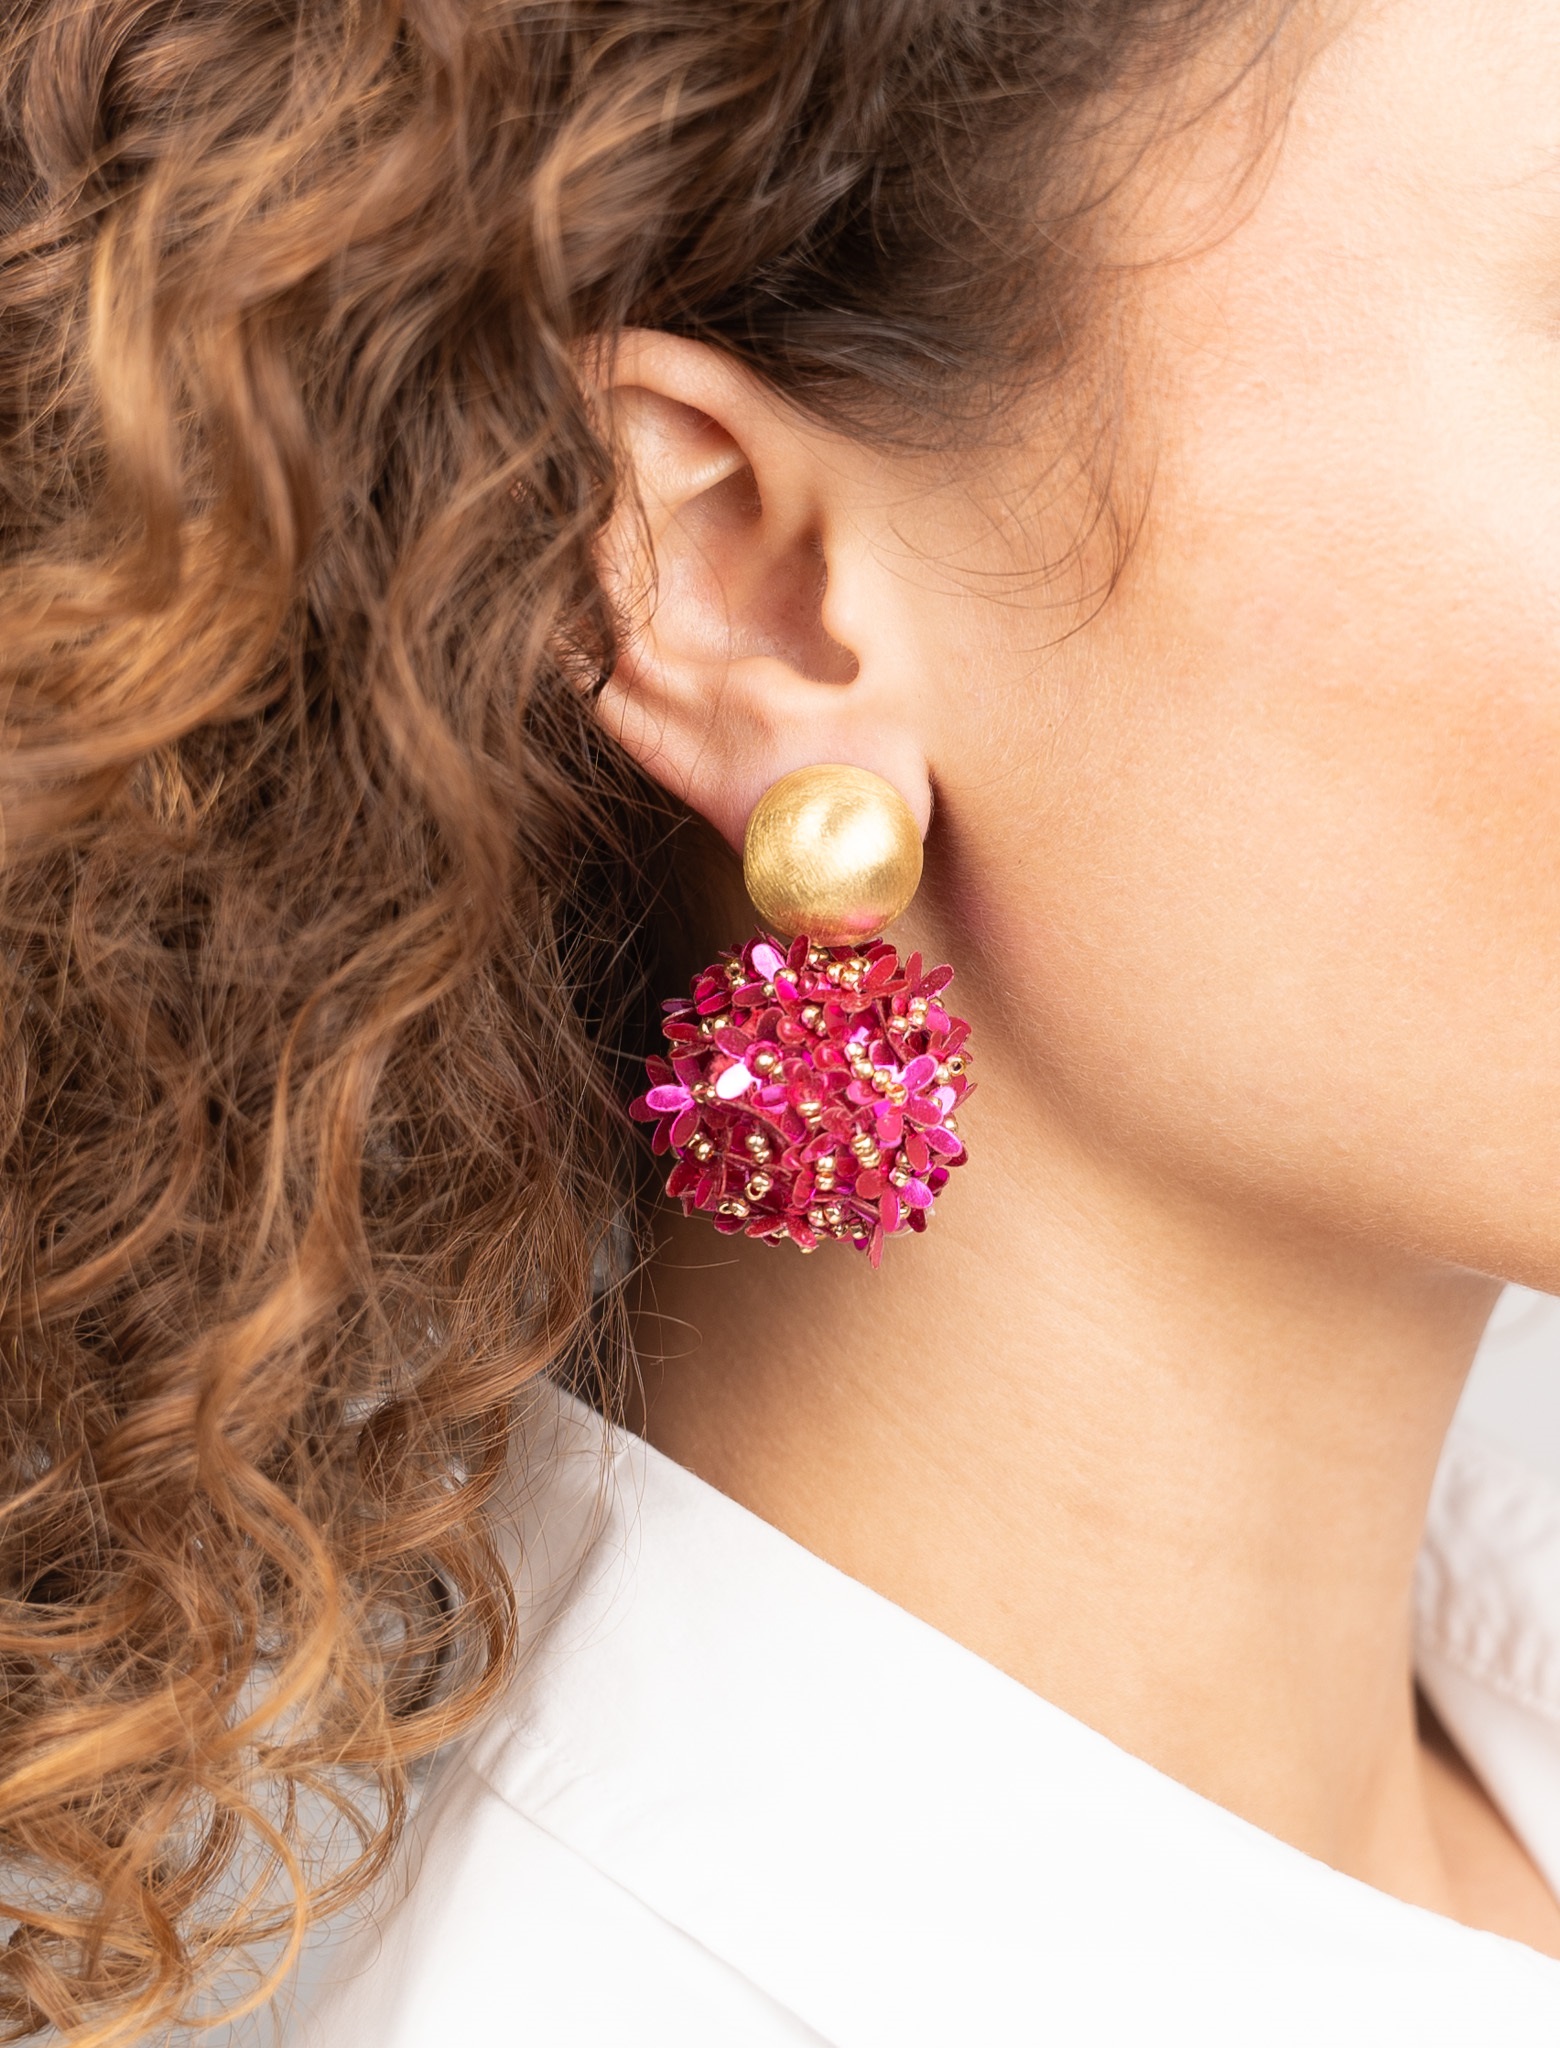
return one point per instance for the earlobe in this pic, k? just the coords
(735, 520)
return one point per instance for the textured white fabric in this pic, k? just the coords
(1487, 1640)
(736, 1798)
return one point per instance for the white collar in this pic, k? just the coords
(902, 1845)
(1487, 1631)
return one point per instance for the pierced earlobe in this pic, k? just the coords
(811, 1087)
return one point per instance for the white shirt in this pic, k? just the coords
(736, 1800)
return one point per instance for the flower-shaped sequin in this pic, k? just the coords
(810, 1092)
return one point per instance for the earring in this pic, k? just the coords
(812, 1078)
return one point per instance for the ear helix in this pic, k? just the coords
(812, 1079)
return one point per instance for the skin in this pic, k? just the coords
(1252, 881)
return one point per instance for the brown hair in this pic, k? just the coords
(320, 888)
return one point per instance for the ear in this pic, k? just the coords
(760, 630)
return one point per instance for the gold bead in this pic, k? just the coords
(765, 1061)
(811, 1016)
(817, 1219)
(701, 1147)
(833, 852)
(759, 1185)
(733, 1206)
(757, 1144)
(833, 1215)
(955, 1063)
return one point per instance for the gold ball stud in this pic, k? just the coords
(833, 852)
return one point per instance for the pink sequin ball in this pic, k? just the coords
(810, 1092)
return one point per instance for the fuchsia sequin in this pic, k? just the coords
(810, 1092)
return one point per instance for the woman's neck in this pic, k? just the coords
(1164, 1459)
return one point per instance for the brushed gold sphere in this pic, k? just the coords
(833, 852)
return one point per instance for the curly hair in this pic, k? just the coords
(322, 893)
